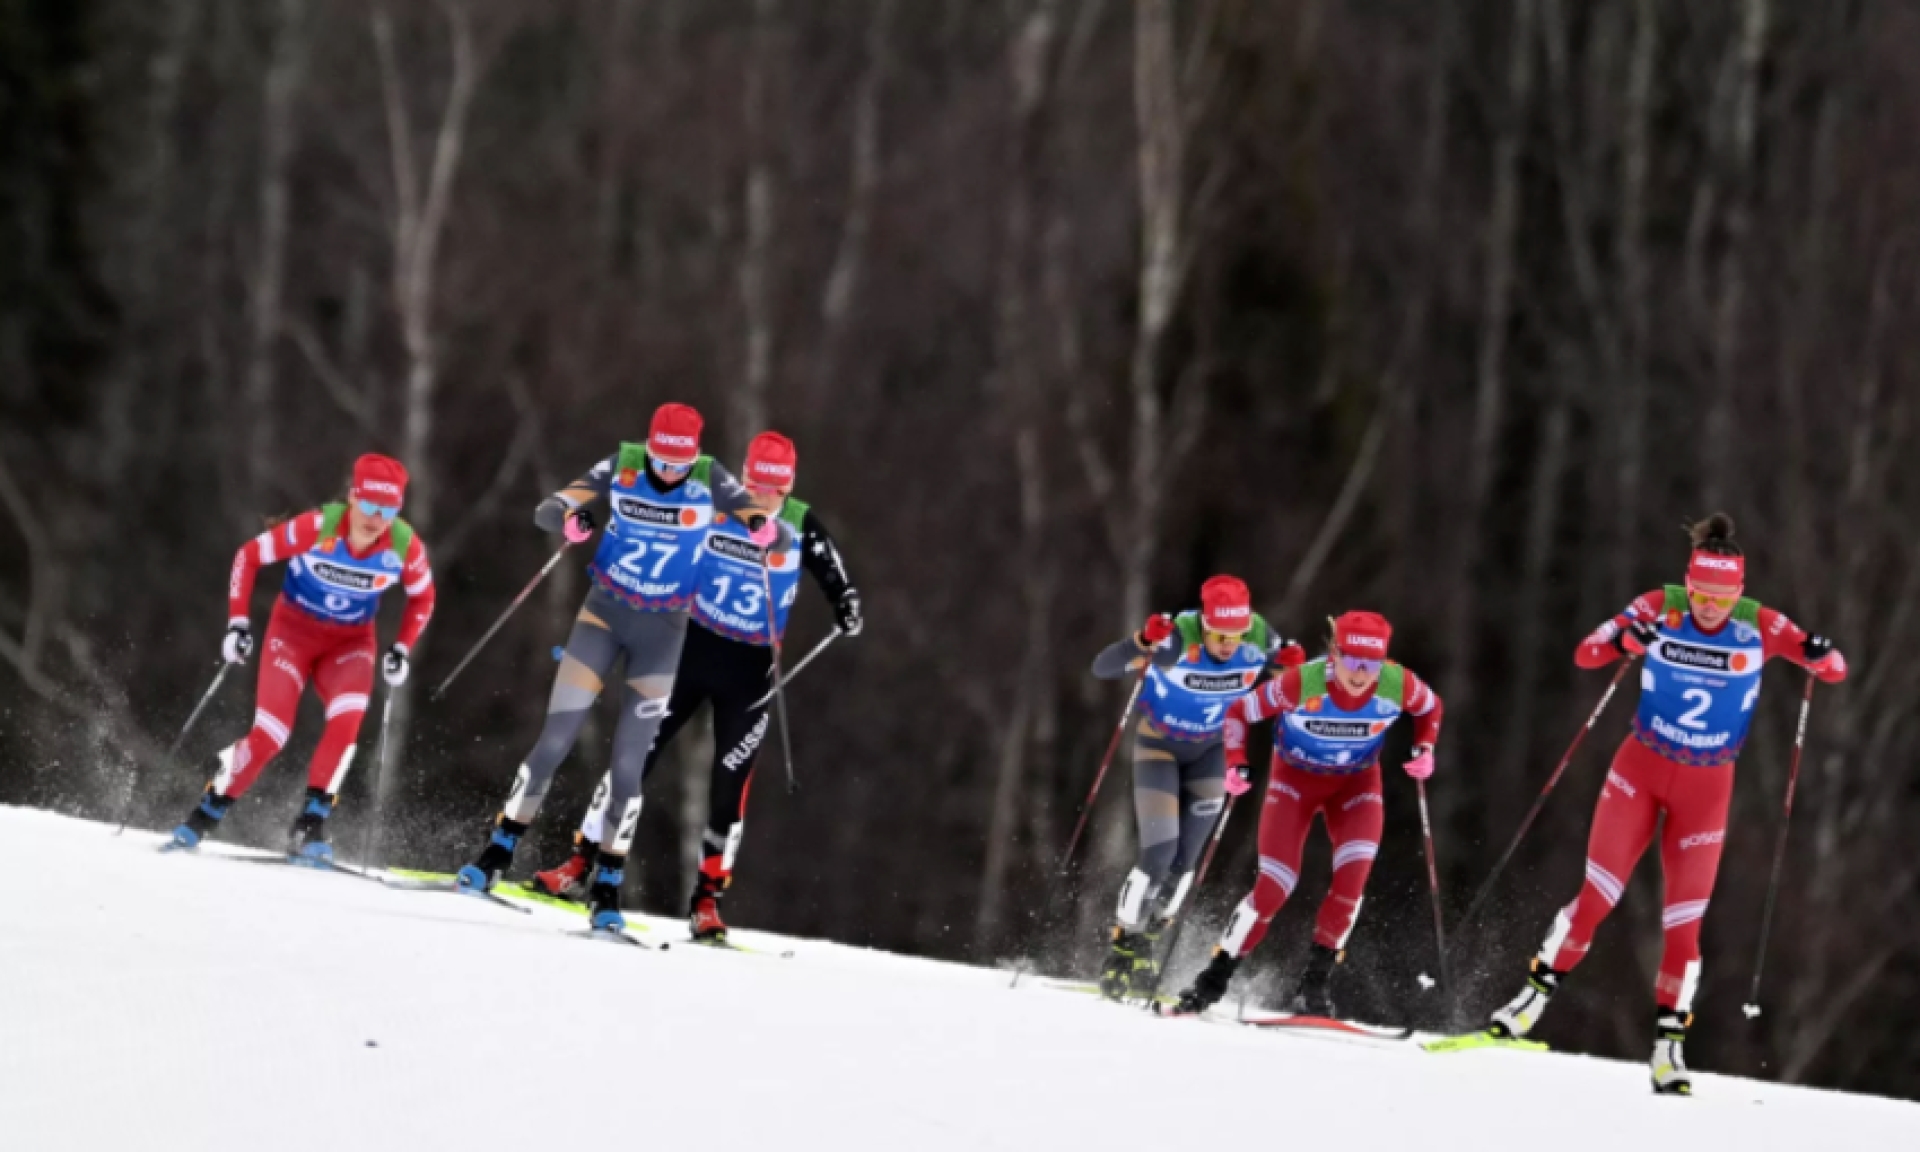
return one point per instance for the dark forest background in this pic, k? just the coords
(1453, 311)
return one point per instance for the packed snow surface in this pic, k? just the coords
(191, 1002)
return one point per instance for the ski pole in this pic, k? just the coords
(371, 837)
(779, 679)
(1433, 890)
(511, 608)
(804, 661)
(1106, 761)
(1193, 896)
(1752, 1006)
(206, 698)
(1086, 809)
(1486, 886)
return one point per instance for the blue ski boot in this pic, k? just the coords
(495, 858)
(204, 818)
(308, 841)
(603, 896)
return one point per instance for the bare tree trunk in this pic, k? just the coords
(1636, 285)
(284, 75)
(1503, 219)
(420, 217)
(1016, 386)
(750, 398)
(1543, 525)
(863, 184)
(1718, 439)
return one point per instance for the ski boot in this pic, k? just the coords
(1210, 985)
(1518, 1018)
(204, 818)
(703, 912)
(603, 895)
(569, 881)
(495, 858)
(1311, 998)
(308, 840)
(1129, 969)
(1670, 1075)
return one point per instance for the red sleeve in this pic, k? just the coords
(1783, 638)
(1280, 694)
(281, 542)
(1598, 650)
(418, 578)
(1423, 704)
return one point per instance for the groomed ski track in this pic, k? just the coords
(180, 1002)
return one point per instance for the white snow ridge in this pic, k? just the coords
(154, 1002)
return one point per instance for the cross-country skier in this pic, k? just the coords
(341, 558)
(663, 498)
(1705, 647)
(1331, 718)
(1196, 666)
(728, 660)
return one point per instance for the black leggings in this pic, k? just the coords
(733, 677)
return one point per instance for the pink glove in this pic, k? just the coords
(766, 534)
(1421, 765)
(579, 526)
(1237, 782)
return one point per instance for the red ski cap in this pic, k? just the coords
(1226, 606)
(379, 479)
(772, 462)
(1363, 635)
(675, 436)
(1715, 570)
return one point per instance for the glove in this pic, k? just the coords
(1291, 655)
(1823, 659)
(239, 642)
(1237, 783)
(1420, 764)
(579, 526)
(1157, 628)
(847, 611)
(1636, 638)
(763, 530)
(395, 665)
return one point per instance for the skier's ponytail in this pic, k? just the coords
(1714, 535)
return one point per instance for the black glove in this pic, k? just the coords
(1816, 648)
(238, 644)
(847, 611)
(396, 665)
(1636, 638)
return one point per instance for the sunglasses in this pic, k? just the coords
(1703, 599)
(668, 469)
(1222, 637)
(369, 508)
(1359, 665)
(765, 490)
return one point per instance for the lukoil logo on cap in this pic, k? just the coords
(1721, 563)
(1354, 640)
(383, 487)
(1232, 611)
(669, 440)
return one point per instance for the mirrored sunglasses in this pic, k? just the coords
(1705, 598)
(384, 511)
(1361, 666)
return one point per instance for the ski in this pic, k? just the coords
(1331, 1025)
(730, 946)
(452, 888)
(306, 862)
(514, 890)
(613, 936)
(1086, 988)
(1474, 1040)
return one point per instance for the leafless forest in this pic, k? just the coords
(1450, 310)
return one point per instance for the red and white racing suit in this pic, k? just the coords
(300, 646)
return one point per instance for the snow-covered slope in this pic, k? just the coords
(183, 1002)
